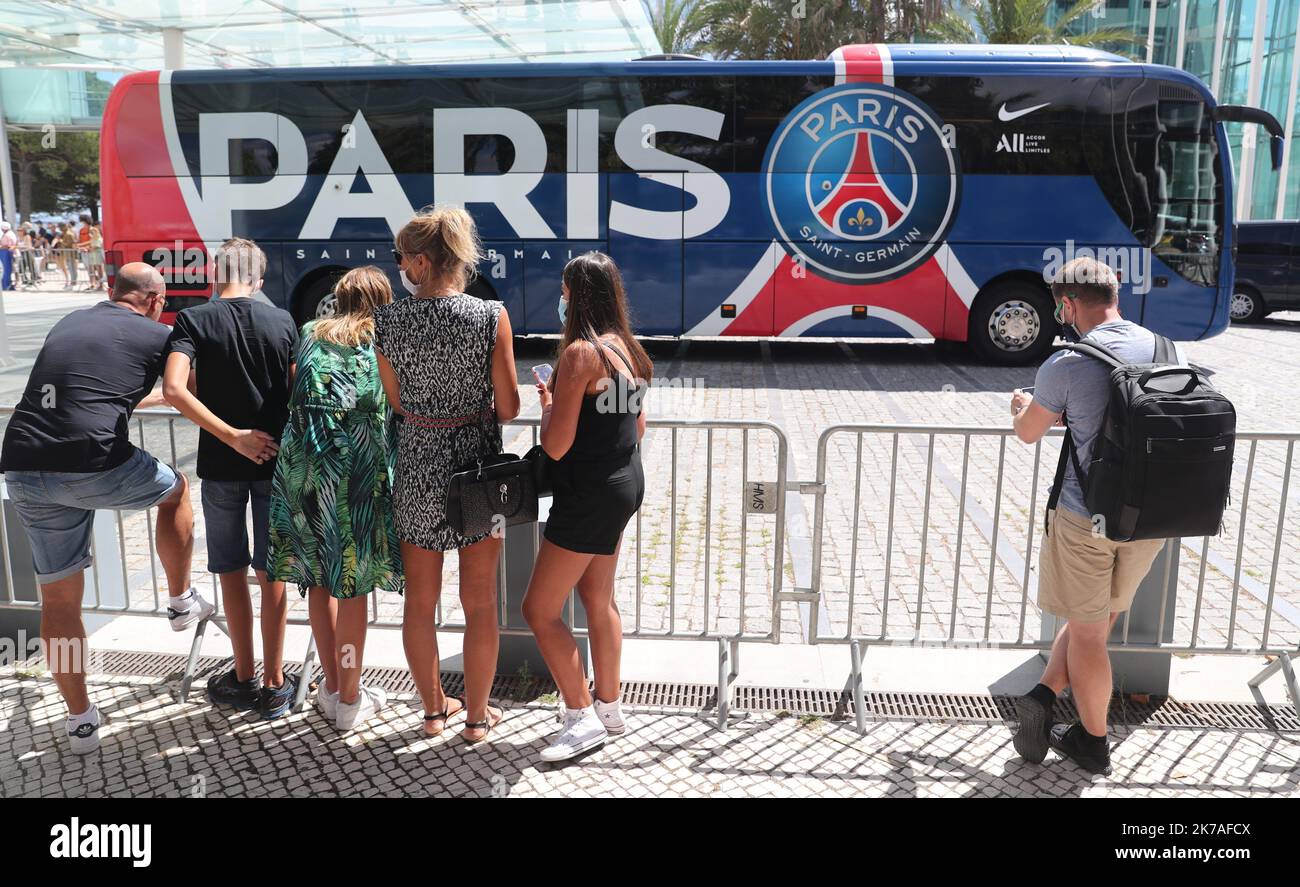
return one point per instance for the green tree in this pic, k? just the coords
(810, 29)
(1026, 21)
(55, 172)
(678, 23)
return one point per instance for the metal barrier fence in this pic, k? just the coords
(932, 543)
(34, 265)
(699, 561)
(945, 556)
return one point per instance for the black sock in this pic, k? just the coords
(1043, 695)
(1089, 739)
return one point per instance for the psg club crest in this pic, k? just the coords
(862, 182)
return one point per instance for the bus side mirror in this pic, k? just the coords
(1275, 146)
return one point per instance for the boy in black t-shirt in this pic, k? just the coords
(239, 353)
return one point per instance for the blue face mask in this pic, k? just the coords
(564, 307)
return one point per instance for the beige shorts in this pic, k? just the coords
(1085, 576)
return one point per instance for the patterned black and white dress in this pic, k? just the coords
(439, 348)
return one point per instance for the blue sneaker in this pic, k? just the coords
(230, 690)
(276, 701)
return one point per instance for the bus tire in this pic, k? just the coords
(1012, 323)
(316, 299)
(1246, 306)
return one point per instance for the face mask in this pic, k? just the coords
(1069, 332)
(406, 282)
(564, 307)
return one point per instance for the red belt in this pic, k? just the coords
(441, 422)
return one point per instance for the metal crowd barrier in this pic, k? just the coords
(700, 561)
(34, 265)
(922, 535)
(930, 559)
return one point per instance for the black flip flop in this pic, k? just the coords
(485, 726)
(444, 714)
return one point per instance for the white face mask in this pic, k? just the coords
(406, 282)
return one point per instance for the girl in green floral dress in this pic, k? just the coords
(331, 501)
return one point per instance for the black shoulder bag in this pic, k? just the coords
(497, 488)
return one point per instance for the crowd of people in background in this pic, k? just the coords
(74, 247)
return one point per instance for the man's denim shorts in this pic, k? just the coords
(225, 520)
(57, 508)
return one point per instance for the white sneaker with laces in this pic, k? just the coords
(582, 732)
(350, 715)
(327, 702)
(83, 734)
(611, 715)
(197, 610)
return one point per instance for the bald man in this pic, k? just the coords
(67, 453)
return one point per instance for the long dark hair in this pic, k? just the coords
(597, 306)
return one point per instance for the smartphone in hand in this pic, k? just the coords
(542, 373)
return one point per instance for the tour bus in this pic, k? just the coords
(917, 191)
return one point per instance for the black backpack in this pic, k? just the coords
(1161, 463)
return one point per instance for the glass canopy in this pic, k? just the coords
(129, 34)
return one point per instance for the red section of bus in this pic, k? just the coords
(148, 212)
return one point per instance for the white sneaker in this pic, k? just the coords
(327, 702)
(369, 701)
(197, 611)
(582, 732)
(611, 715)
(84, 737)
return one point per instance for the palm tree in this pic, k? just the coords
(809, 29)
(1024, 21)
(677, 24)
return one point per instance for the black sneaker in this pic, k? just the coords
(276, 701)
(1035, 727)
(230, 690)
(1072, 742)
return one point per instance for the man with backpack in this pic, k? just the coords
(1137, 417)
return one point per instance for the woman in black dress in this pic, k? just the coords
(592, 423)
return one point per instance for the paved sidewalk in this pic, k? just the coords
(155, 746)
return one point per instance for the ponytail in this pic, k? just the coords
(448, 238)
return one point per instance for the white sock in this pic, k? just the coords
(578, 712)
(183, 602)
(89, 716)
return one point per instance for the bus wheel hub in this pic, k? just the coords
(1013, 325)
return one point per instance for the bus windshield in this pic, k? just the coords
(1175, 179)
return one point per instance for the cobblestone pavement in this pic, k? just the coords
(937, 562)
(155, 746)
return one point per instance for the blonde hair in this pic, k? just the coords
(357, 294)
(447, 237)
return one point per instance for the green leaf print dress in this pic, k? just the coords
(331, 497)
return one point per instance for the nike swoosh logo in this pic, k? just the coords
(1007, 116)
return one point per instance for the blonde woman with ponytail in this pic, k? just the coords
(443, 354)
(331, 515)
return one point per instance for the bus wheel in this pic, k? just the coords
(1011, 323)
(316, 301)
(1246, 306)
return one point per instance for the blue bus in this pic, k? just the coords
(917, 191)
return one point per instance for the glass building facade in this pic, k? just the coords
(1245, 50)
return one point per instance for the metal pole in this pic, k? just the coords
(173, 48)
(1216, 63)
(1182, 31)
(1249, 134)
(1151, 33)
(9, 212)
(1279, 211)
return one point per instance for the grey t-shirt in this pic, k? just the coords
(1079, 386)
